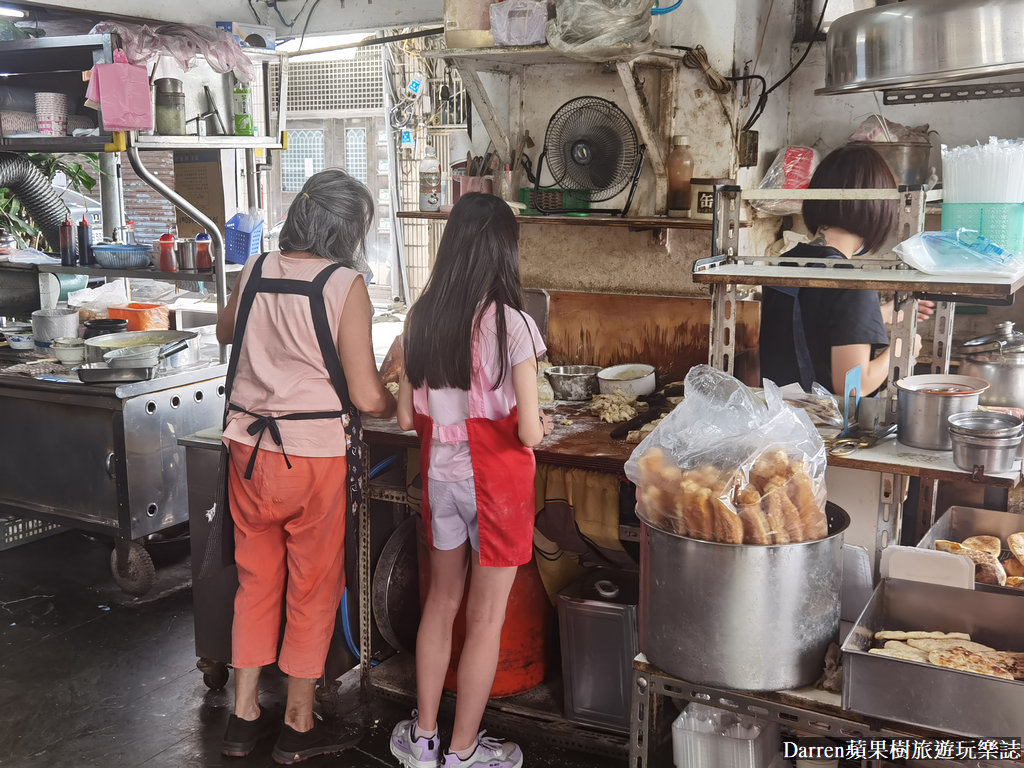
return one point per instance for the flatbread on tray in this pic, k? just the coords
(968, 661)
(898, 634)
(930, 644)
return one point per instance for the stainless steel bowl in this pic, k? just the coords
(573, 382)
(984, 424)
(991, 454)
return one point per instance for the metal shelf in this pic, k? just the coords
(147, 273)
(854, 274)
(595, 220)
(807, 710)
(169, 143)
(892, 456)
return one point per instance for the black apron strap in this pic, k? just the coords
(803, 353)
(252, 287)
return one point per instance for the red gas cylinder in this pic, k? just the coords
(527, 638)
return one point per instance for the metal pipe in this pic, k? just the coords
(193, 213)
(111, 193)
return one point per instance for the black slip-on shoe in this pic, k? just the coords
(241, 736)
(294, 747)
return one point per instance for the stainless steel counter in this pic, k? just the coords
(104, 457)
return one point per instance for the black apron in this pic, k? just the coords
(314, 291)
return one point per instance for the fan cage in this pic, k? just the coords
(591, 147)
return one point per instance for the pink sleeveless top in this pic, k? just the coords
(280, 368)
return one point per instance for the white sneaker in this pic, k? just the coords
(489, 753)
(414, 753)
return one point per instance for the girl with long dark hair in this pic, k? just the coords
(470, 391)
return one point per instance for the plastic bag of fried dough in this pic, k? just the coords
(729, 466)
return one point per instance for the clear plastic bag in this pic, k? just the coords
(791, 169)
(729, 467)
(601, 30)
(519, 22)
(960, 252)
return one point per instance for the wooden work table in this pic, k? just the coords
(585, 443)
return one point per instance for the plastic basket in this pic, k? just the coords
(552, 199)
(239, 245)
(1002, 223)
(116, 256)
(20, 530)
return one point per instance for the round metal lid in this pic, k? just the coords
(1005, 340)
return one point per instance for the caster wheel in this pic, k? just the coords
(135, 577)
(216, 678)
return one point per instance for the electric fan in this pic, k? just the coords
(592, 155)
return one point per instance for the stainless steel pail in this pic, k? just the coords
(745, 617)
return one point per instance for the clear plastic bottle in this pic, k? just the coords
(430, 181)
(84, 233)
(679, 169)
(204, 262)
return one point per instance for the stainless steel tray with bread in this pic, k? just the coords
(960, 671)
(993, 540)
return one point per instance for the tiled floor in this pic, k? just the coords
(91, 677)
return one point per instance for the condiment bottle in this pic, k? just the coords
(84, 232)
(430, 181)
(168, 258)
(679, 169)
(129, 232)
(68, 257)
(204, 262)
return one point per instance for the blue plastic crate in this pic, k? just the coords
(239, 245)
(1002, 223)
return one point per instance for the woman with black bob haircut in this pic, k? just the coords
(302, 370)
(820, 334)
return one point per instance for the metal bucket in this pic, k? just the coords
(743, 617)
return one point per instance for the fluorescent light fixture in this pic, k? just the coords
(13, 13)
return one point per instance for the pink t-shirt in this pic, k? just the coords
(450, 461)
(280, 366)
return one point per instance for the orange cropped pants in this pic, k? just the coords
(290, 547)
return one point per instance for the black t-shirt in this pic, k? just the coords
(832, 317)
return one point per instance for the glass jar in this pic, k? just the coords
(170, 107)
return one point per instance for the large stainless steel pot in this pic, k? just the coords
(745, 617)
(999, 359)
(98, 345)
(925, 403)
(922, 42)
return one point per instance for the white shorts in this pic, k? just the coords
(453, 513)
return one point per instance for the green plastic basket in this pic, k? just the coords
(552, 199)
(1002, 223)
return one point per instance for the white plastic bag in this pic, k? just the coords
(601, 30)
(727, 466)
(519, 22)
(960, 252)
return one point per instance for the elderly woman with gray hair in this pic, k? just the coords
(301, 371)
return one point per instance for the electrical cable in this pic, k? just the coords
(697, 58)
(305, 26)
(254, 13)
(762, 101)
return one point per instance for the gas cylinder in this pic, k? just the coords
(527, 638)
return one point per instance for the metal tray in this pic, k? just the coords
(101, 373)
(925, 695)
(959, 523)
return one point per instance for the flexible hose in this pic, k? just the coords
(346, 625)
(34, 190)
(662, 11)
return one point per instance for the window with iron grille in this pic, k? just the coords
(303, 158)
(355, 153)
(316, 86)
